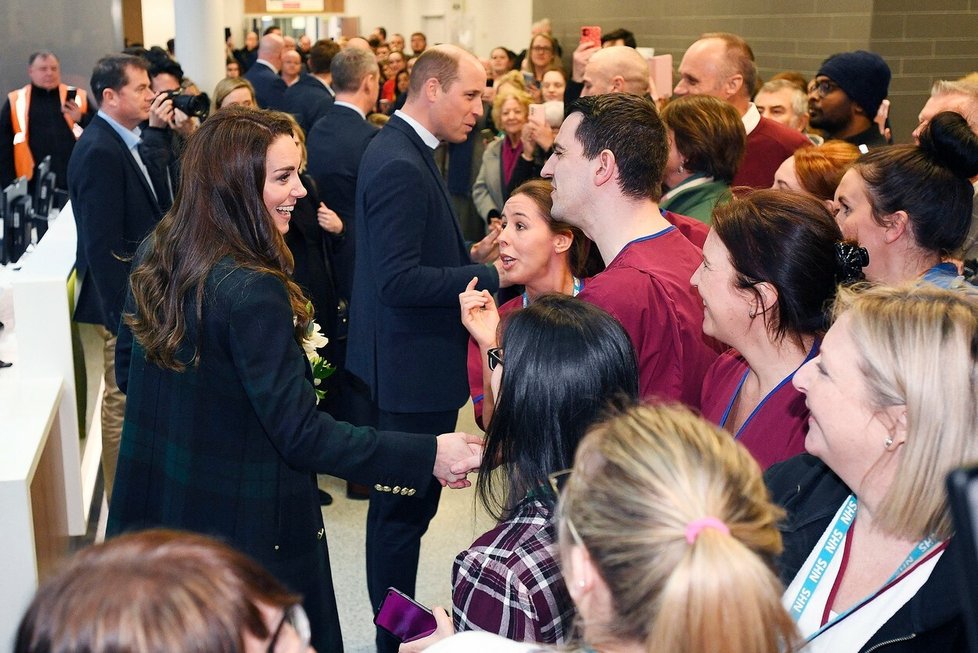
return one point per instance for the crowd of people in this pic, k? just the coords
(722, 345)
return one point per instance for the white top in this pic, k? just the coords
(751, 119)
(855, 630)
(429, 139)
(476, 641)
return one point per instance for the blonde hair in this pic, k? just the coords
(228, 85)
(497, 105)
(918, 346)
(639, 479)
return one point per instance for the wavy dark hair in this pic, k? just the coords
(565, 362)
(930, 182)
(218, 212)
(786, 239)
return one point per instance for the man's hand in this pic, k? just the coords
(443, 630)
(486, 249)
(73, 110)
(329, 220)
(480, 316)
(161, 111)
(457, 455)
(582, 54)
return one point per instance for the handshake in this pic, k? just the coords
(457, 454)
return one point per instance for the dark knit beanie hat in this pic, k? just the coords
(864, 76)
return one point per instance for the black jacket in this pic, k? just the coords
(811, 494)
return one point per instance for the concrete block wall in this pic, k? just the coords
(922, 41)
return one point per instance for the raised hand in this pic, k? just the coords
(480, 317)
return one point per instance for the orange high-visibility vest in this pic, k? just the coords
(20, 101)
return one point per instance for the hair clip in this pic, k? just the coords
(695, 527)
(850, 259)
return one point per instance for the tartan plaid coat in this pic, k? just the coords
(231, 447)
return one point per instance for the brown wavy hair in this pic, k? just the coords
(155, 590)
(218, 212)
(820, 169)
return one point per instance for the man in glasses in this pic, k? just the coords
(846, 94)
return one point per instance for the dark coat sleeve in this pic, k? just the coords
(267, 360)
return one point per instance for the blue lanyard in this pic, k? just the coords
(578, 286)
(736, 393)
(829, 549)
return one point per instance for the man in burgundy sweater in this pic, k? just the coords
(722, 65)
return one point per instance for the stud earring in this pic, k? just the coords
(887, 443)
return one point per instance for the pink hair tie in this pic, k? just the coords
(695, 527)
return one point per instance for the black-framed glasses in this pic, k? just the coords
(494, 357)
(295, 616)
(558, 480)
(823, 87)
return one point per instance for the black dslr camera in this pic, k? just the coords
(192, 105)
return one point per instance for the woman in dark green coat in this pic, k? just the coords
(221, 433)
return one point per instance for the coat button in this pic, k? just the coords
(276, 547)
(411, 493)
(387, 488)
(379, 487)
(321, 533)
(397, 489)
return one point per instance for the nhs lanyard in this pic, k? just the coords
(829, 549)
(578, 285)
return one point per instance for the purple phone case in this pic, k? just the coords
(404, 618)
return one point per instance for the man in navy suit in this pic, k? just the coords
(406, 341)
(264, 75)
(335, 146)
(310, 97)
(115, 205)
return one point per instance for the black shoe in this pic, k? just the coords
(325, 498)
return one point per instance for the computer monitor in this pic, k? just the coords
(962, 489)
(15, 210)
(44, 182)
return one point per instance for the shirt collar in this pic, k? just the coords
(273, 68)
(129, 136)
(341, 103)
(752, 118)
(429, 139)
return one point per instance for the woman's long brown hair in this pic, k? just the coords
(218, 212)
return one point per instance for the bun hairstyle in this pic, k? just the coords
(930, 182)
(788, 240)
(675, 515)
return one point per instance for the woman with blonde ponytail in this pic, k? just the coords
(667, 541)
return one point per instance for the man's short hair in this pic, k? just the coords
(349, 67)
(626, 36)
(799, 100)
(436, 63)
(112, 71)
(41, 54)
(321, 56)
(738, 59)
(629, 126)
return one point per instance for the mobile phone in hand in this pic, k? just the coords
(591, 34)
(70, 95)
(403, 617)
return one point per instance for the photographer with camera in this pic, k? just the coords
(172, 120)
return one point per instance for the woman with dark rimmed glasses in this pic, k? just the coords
(667, 540)
(561, 361)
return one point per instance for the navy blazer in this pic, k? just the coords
(335, 146)
(307, 100)
(231, 446)
(406, 339)
(115, 209)
(269, 87)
